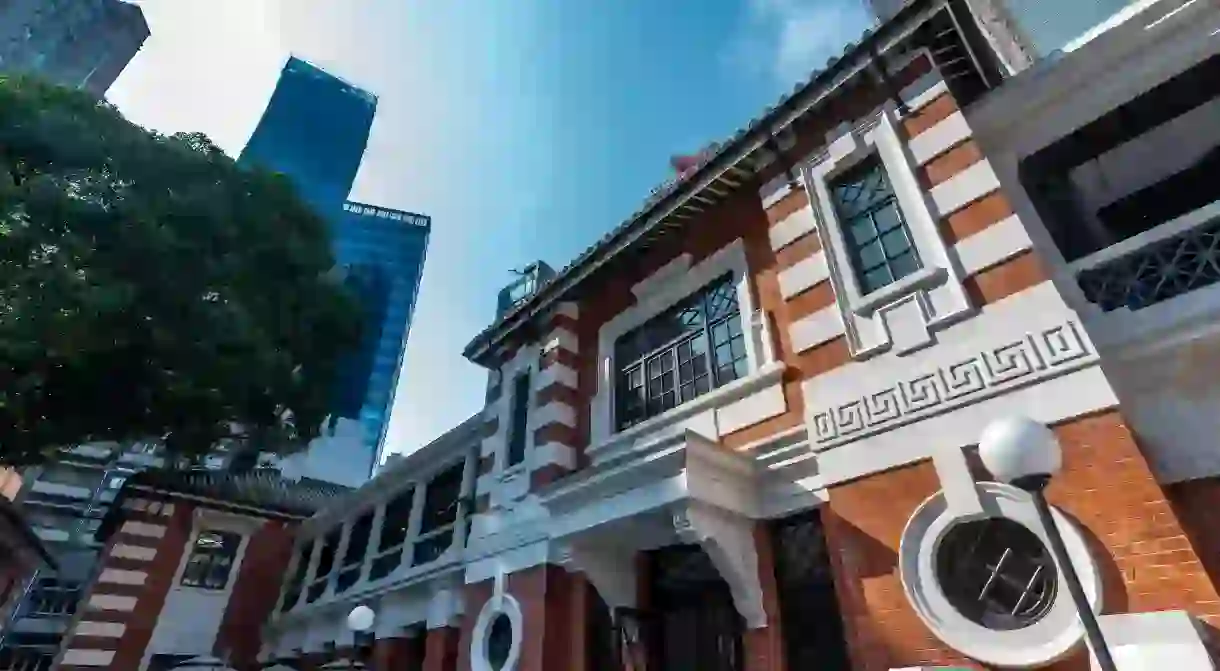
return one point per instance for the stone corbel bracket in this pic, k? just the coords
(612, 572)
(728, 539)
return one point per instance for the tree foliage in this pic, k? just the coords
(151, 288)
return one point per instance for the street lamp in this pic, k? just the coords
(360, 621)
(1027, 454)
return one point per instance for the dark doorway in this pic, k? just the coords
(809, 610)
(695, 624)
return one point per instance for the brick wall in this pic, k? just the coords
(255, 592)
(551, 602)
(1147, 561)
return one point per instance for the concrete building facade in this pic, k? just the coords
(82, 44)
(740, 432)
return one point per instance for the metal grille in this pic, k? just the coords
(878, 242)
(697, 627)
(1158, 272)
(997, 573)
(681, 354)
(813, 625)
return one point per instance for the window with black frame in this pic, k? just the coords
(211, 560)
(326, 562)
(292, 589)
(440, 513)
(681, 354)
(353, 556)
(879, 243)
(518, 429)
(394, 529)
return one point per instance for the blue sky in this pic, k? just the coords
(525, 128)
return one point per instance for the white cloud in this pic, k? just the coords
(791, 38)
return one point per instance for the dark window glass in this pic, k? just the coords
(397, 519)
(359, 540)
(518, 430)
(997, 573)
(292, 591)
(326, 560)
(431, 548)
(681, 354)
(879, 243)
(813, 626)
(499, 641)
(441, 499)
(211, 560)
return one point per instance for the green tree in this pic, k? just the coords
(151, 288)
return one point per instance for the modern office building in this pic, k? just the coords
(79, 43)
(315, 130)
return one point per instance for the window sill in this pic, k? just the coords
(737, 390)
(865, 306)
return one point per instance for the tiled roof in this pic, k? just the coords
(761, 124)
(261, 489)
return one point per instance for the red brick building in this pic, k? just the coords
(192, 567)
(740, 431)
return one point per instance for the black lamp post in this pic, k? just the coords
(1027, 454)
(360, 621)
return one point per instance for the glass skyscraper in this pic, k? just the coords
(315, 130)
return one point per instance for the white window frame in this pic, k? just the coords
(848, 145)
(680, 280)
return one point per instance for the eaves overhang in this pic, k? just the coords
(734, 163)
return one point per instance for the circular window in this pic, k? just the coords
(499, 641)
(996, 572)
(988, 587)
(496, 642)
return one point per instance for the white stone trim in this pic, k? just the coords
(552, 453)
(920, 93)
(134, 552)
(557, 373)
(1047, 640)
(964, 188)
(815, 329)
(444, 608)
(499, 604)
(940, 138)
(117, 602)
(561, 338)
(568, 309)
(122, 576)
(143, 529)
(760, 406)
(791, 228)
(730, 259)
(993, 245)
(803, 275)
(612, 572)
(554, 413)
(99, 629)
(921, 303)
(84, 657)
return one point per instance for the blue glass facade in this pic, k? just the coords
(383, 251)
(315, 130)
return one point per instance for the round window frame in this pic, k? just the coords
(505, 604)
(1049, 639)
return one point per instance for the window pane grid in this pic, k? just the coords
(681, 354)
(879, 243)
(211, 560)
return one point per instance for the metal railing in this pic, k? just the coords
(1164, 262)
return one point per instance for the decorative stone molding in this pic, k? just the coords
(1051, 638)
(445, 608)
(499, 604)
(728, 539)
(902, 316)
(1034, 356)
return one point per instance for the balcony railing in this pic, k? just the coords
(1173, 259)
